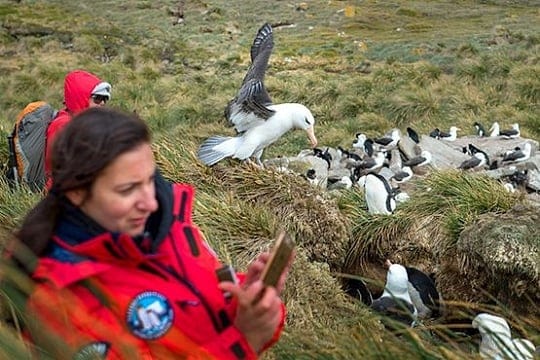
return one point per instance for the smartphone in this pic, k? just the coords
(279, 258)
(227, 273)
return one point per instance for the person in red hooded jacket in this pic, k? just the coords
(121, 270)
(82, 90)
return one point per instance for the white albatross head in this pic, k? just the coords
(302, 118)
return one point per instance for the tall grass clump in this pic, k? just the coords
(472, 70)
(412, 105)
(372, 236)
(14, 204)
(459, 197)
(527, 84)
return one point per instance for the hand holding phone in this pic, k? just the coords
(279, 259)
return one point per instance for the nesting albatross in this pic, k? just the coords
(518, 154)
(497, 341)
(257, 120)
(395, 302)
(478, 160)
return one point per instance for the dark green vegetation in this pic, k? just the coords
(359, 66)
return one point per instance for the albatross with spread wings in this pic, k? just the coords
(257, 120)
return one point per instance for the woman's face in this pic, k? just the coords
(123, 195)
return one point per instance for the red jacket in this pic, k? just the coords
(78, 86)
(104, 294)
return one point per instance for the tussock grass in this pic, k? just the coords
(413, 105)
(13, 205)
(454, 193)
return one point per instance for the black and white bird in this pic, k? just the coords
(311, 176)
(518, 155)
(368, 147)
(480, 131)
(378, 194)
(389, 141)
(435, 133)
(344, 182)
(372, 163)
(256, 119)
(395, 301)
(494, 129)
(423, 159)
(413, 135)
(403, 175)
(508, 152)
(471, 149)
(358, 289)
(449, 136)
(346, 154)
(511, 133)
(510, 187)
(497, 342)
(478, 160)
(424, 294)
(520, 177)
(358, 141)
(325, 155)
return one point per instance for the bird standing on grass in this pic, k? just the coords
(256, 119)
(378, 194)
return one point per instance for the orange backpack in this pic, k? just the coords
(27, 145)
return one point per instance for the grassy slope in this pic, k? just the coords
(432, 63)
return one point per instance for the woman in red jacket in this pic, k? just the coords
(122, 272)
(82, 90)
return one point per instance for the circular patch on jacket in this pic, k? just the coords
(149, 315)
(94, 350)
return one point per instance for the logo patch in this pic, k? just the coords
(94, 350)
(150, 315)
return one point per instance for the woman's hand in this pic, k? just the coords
(259, 311)
(259, 307)
(255, 270)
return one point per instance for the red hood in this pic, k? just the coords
(78, 87)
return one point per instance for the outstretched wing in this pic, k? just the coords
(246, 111)
(249, 108)
(261, 49)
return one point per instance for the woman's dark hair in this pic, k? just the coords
(88, 144)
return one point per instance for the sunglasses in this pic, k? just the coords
(98, 99)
